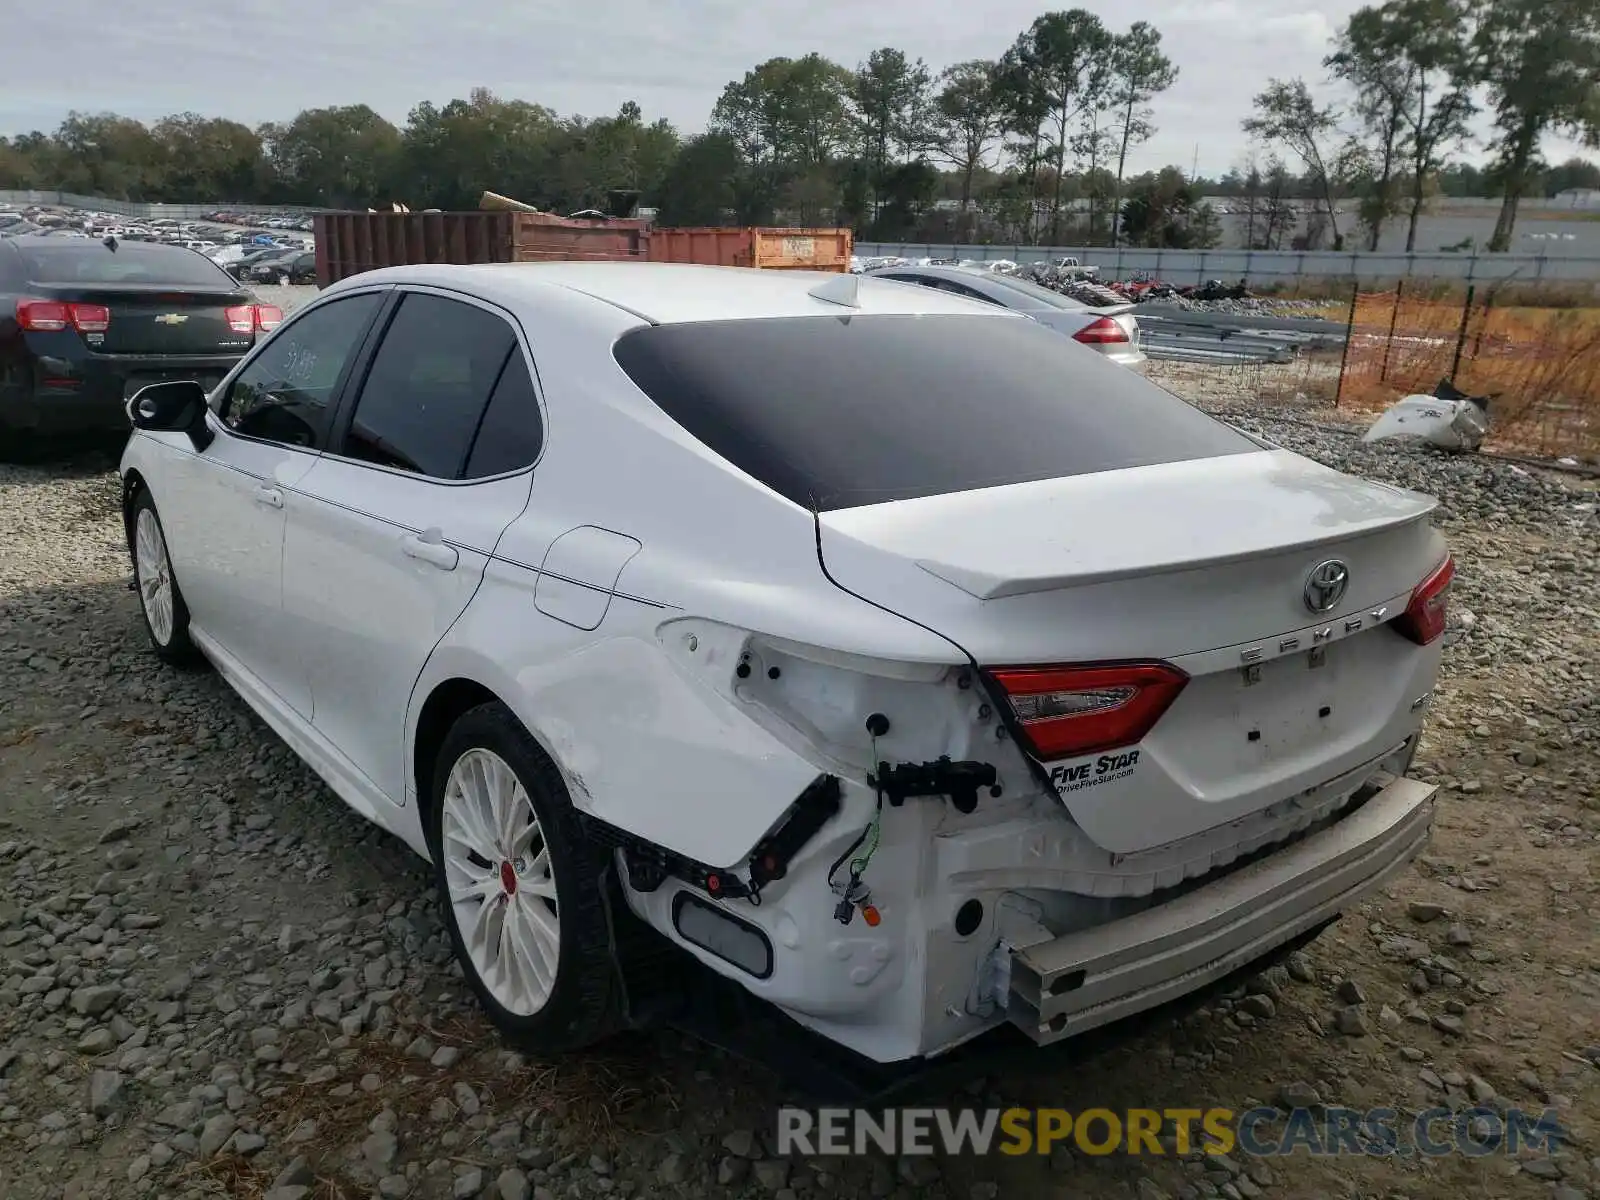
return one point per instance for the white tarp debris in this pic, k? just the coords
(1450, 424)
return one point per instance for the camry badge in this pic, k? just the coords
(1326, 585)
(171, 319)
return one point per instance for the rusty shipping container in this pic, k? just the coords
(349, 243)
(755, 246)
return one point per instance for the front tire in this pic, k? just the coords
(520, 886)
(166, 616)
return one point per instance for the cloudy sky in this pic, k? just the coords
(261, 60)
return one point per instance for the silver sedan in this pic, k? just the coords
(1110, 329)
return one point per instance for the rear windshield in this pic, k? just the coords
(840, 412)
(80, 260)
(1043, 296)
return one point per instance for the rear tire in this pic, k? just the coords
(166, 616)
(521, 886)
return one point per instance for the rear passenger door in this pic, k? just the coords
(428, 462)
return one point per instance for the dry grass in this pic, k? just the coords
(1541, 364)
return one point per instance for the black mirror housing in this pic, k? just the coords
(178, 406)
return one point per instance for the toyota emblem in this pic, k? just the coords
(1326, 585)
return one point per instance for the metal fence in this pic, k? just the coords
(1267, 266)
(132, 208)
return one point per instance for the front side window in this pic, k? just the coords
(428, 387)
(286, 392)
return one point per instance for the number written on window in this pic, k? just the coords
(285, 393)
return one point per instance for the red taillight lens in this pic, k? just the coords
(1424, 618)
(43, 316)
(91, 318)
(52, 316)
(268, 317)
(1101, 331)
(242, 318)
(1066, 711)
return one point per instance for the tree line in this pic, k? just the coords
(1030, 147)
(1415, 74)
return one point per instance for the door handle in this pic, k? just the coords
(270, 496)
(430, 547)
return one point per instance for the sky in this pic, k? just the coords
(255, 61)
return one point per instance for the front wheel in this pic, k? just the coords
(521, 886)
(166, 616)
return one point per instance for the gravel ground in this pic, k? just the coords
(214, 980)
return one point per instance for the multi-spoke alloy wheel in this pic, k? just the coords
(521, 885)
(166, 616)
(155, 575)
(502, 888)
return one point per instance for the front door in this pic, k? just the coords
(230, 503)
(427, 465)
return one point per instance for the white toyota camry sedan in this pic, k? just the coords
(878, 650)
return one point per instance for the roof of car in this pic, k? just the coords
(671, 293)
(931, 269)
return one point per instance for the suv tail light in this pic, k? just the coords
(268, 317)
(1067, 711)
(1424, 618)
(1101, 331)
(52, 316)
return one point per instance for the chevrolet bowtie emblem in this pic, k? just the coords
(171, 319)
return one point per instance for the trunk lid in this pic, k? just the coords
(158, 320)
(1206, 565)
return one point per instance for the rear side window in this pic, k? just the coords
(512, 429)
(837, 412)
(428, 386)
(82, 260)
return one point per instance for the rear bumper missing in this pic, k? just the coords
(1065, 986)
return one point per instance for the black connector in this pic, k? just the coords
(958, 780)
(814, 808)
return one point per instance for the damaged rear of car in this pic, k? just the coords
(1123, 699)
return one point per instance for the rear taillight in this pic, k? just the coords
(1424, 618)
(253, 318)
(1066, 711)
(90, 318)
(1100, 331)
(51, 316)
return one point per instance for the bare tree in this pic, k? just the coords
(1287, 114)
(1139, 70)
(966, 122)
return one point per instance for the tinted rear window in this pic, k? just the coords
(80, 260)
(840, 412)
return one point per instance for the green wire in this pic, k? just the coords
(858, 866)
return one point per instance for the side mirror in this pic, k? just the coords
(175, 407)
